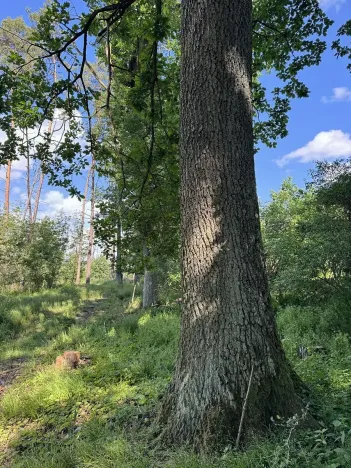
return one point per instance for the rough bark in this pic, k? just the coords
(91, 229)
(228, 324)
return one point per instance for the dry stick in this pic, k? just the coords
(133, 296)
(91, 68)
(244, 409)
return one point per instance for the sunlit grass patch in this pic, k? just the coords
(103, 414)
(133, 306)
(31, 397)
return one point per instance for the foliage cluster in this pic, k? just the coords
(31, 255)
(307, 243)
(42, 254)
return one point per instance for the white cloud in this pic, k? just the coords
(325, 145)
(325, 4)
(16, 190)
(19, 166)
(339, 94)
(15, 175)
(54, 202)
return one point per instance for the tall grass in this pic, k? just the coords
(103, 414)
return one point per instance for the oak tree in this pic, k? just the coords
(229, 349)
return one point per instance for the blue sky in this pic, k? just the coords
(319, 127)
(325, 110)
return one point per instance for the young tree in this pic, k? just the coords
(108, 228)
(45, 254)
(12, 248)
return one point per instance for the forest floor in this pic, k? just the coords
(103, 414)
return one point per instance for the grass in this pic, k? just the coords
(103, 414)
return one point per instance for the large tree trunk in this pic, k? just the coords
(228, 325)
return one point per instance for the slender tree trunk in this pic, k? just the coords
(29, 189)
(7, 189)
(81, 230)
(113, 261)
(41, 179)
(136, 280)
(37, 197)
(228, 324)
(119, 273)
(8, 185)
(150, 289)
(91, 230)
(35, 180)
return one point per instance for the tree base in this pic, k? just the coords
(211, 425)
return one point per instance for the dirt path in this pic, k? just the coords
(9, 371)
(88, 308)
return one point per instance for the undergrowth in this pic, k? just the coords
(103, 414)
